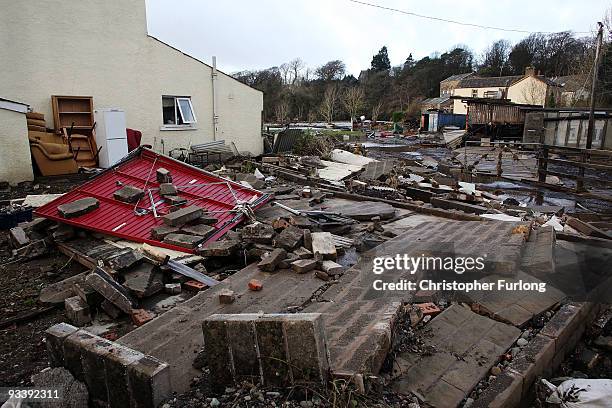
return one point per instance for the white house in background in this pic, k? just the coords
(102, 49)
(528, 89)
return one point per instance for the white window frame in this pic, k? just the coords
(186, 125)
(177, 102)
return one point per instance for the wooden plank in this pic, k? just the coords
(586, 228)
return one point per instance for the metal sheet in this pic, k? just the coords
(216, 196)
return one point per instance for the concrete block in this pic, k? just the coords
(323, 246)
(217, 351)
(307, 348)
(77, 311)
(303, 265)
(290, 238)
(167, 189)
(331, 267)
(219, 248)
(87, 294)
(243, 345)
(125, 259)
(78, 207)
(93, 353)
(258, 233)
(272, 352)
(144, 280)
(72, 352)
(303, 253)
(129, 194)
(163, 175)
(110, 290)
(562, 325)
(116, 366)
(110, 309)
(270, 262)
(160, 232)
(183, 216)
(227, 296)
(503, 392)
(148, 382)
(175, 201)
(54, 340)
(184, 240)
(202, 230)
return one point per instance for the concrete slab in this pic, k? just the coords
(467, 346)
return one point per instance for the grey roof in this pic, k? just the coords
(489, 82)
(435, 101)
(457, 77)
(571, 83)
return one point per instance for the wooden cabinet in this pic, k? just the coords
(74, 120)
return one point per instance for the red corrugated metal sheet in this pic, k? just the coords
(215, 195)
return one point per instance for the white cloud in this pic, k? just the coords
(247, 34)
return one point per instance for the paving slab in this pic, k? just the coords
(466, 346)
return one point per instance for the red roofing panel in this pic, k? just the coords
(217, 196)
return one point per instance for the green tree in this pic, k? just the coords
(380, 61)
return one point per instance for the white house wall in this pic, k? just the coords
(529, 90)
(101, 49)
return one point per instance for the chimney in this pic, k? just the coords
(529, 71)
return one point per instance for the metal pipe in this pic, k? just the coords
(214, 97)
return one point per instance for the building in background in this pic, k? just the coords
(102, 49)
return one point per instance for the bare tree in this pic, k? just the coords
(534, 93)
(332, 70)
(282, 111)
(285, 71)
(296, 66)
(353, 101)
(376, 111)
(328, 104)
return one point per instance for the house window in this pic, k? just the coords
(474, 93)
(178, 111)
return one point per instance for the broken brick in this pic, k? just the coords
(227, 296)
(194, 285)
(259, 233)
(255, 285)
(219, 248)
(270, 262)
(144, 280)
(208, 219)
(86, 293)
(429, 308)
(302, 253)
(304, 265)
(167, 189)
(322, 275)
(172, 288)
(160, 232)
(163, 175)
(308, 240)
(141, 316)
(77, 311)
(129, 194)
(78, 207)
(331, 267)
(183, 216)
(289, 238)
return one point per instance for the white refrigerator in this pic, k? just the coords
(111, 136)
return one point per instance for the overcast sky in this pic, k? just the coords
(256, 34)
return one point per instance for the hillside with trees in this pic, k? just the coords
(295, 92)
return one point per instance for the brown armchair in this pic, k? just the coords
(52, 158)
